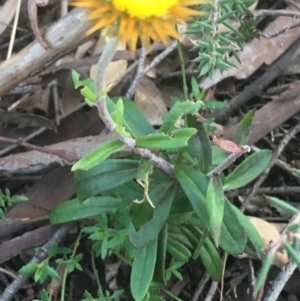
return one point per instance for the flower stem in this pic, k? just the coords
(105, 58)
(185, 87)
(100, 86)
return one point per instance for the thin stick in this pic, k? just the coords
(139, 73)
(276, 13)
(57, 152)
(13, 33)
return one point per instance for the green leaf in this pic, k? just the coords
(233, 236)
(145, 168)
(141, 213)
(215, 105)
(109, 174)
(117, 115)
(74, 210)
(199, 146)
(98, 155)
(134, 121)
(88, 88)
(180, 211)
(264, 271)
(195, 87)
(215, 207)
(218, 155)
(211, 260)
(160, 266)
(176, 112)
(248, 170)
(163, 141)
(28, 269)
(51, 272)
(292, 252)
(208, 253)
(253, 236)
(283, 204)
(178, 250)
(242, 133)
(19, 198)
(162, 197)
(194, 184)
(142, 270)
(44, 296)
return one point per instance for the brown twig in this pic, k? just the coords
(68, 157)
(276, 13)
(139, 73)
(284, 30)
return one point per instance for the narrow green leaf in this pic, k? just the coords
(176, 112)
(109, 174)
(74, 210)
(207, 67)
(117, 115)
(51, 272)
(233, 236)
(292, 252)
(160, 266)
(215, 105)
(199, 146)
(98, 155)
(253, 235)
(19, 198)
(134, 121)
(195, 87)
(283, 204)
(180, 211)
(28, 269)
(248, 170)
(142, 270)
(264, 271)
(211, 260)
(215, 207)
(162, 197)
(194, 184)
(178, 250)
(88, 88)
(208, 253)
(162, 141)
(242, 133)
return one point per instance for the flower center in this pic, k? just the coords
(143, 9)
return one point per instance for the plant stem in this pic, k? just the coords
(185, 88)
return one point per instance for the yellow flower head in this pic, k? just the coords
(144, 19)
